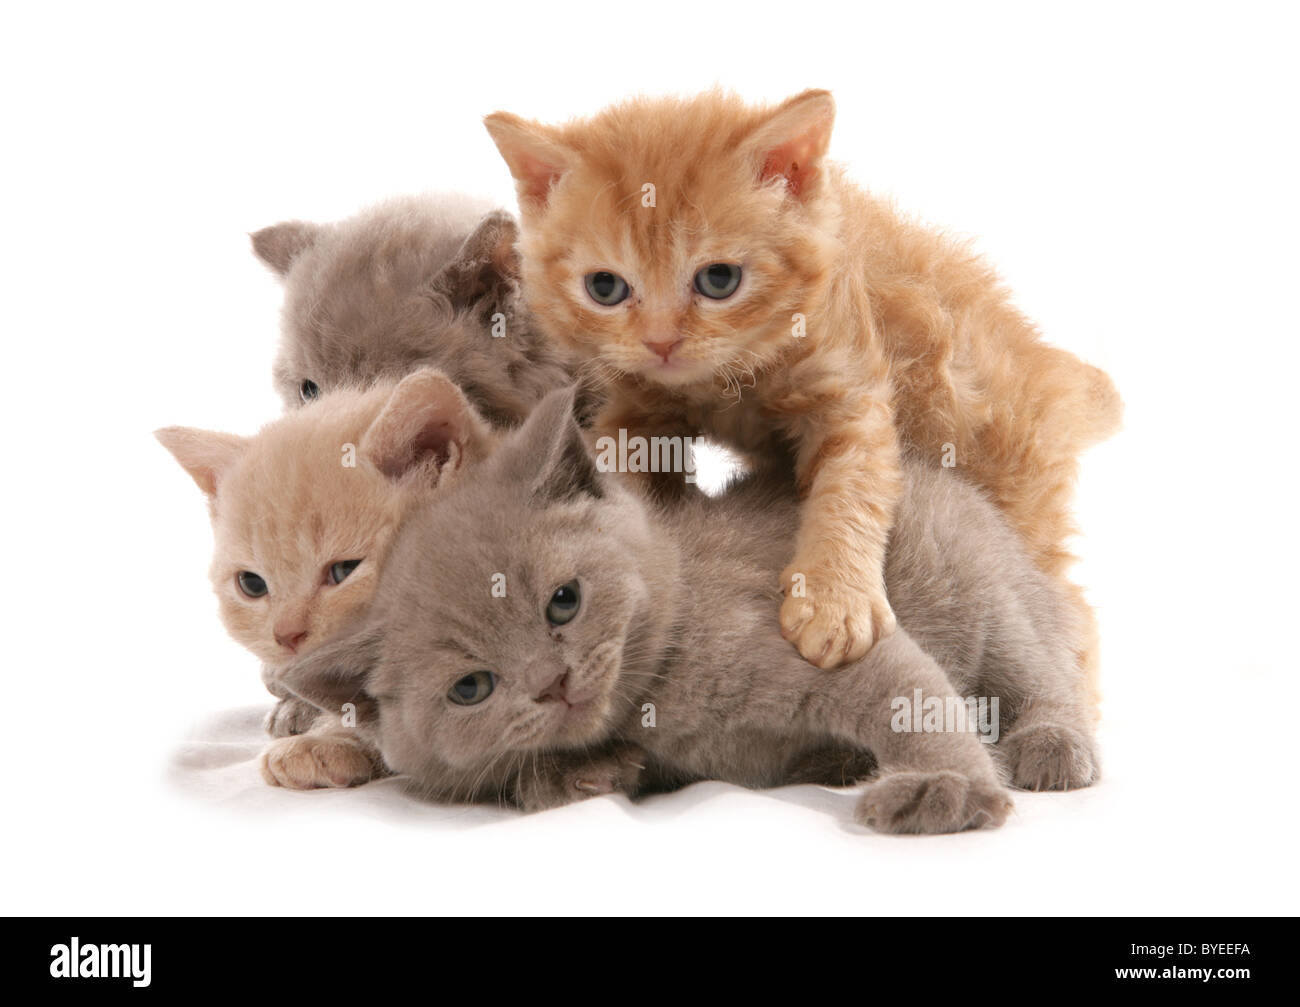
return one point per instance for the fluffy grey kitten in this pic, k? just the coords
(543, 634)
(412, 282)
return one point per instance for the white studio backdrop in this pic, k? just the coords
(1131, 170)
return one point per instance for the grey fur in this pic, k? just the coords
(412, 282)
(679, 610)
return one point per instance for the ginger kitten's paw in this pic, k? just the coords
(834, 626)
(944, 801)
(290, 716)
(539, 787)
(311, 761)
(1050, 757)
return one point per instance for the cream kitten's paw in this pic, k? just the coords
(834, 625)
(539, 787)
(945, 801)
(1050, 757)
(310, 761)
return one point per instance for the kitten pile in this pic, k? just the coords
(472, 553)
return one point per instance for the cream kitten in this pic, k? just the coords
(304, 512)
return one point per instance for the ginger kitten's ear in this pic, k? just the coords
(535, 157)
(334, 673)
(549, 455)
(204, 454)
(426, 428)
(792, 142)
(486, 263)
(280, 244)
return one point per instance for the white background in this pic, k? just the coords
(1130, 168)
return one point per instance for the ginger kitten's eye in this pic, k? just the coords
(340, 570)
(308, 390)
(251, 584)
(564, 604)
(473, 688)
(606, 288)
(718, 281)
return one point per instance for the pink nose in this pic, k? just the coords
(557, 690)
(290, 639)
(664, 348)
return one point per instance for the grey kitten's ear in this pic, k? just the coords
(548, 453)
(280, 244)
(335, 673)
(486, 264)
(427, 429)
(205, 454)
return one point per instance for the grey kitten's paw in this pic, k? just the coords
(311, 761)
(290, 716)
(559, 783)
(944, 801)
(1050, 757)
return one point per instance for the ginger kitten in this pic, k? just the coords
(304, 512)
(723, 277)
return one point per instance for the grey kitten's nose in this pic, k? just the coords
(557, 690)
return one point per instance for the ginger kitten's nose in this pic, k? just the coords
(663, 348)
(290, 637)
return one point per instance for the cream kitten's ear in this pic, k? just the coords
(280, 244)
(792, 142)
(427, 427)
(204, 454)
(535, 158)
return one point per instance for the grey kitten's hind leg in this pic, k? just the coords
(290, 715)
(1043, 752)
(929, 782)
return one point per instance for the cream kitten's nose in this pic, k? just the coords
(556, 690)
(663, 348)
(290, 636)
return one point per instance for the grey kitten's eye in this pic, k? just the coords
(340, 570)
(606, 288)
(718, 281)
(564, 604)
(473, 688)
(308, 390)
(251, 584)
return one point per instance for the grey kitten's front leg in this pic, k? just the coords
(290, 715)
(940, 781)
(553, 779)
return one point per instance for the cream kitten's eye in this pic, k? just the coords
(251, 584)
(308, 390)
(606, 288)
(718, 281)
(339, 571)
(472, 689)
(564, 604)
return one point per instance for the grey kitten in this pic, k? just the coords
(543, 634)
(417, 281)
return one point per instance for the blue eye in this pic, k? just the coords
(564, 604)
(473, 688)
(718, 281)
(251, 584)
(340, 570)
(606, 288)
